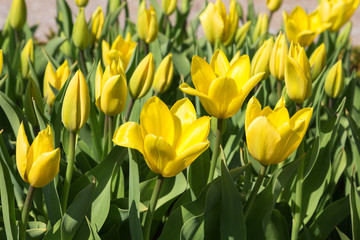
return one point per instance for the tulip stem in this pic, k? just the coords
(216, 150)
(69, 171)
(25, 213)
(83, 62)
(152, 206)
(279, 89)
(331, 103)
(129, 108)
(255, 190)
(110, 132)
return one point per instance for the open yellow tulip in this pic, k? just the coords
(270, 134)
(169, 140)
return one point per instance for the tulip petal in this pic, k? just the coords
(22, 148)
(278, 117)
(240, 71)
(105, 50)
(219, 63)
(250, 84)
(299, 16)
(98, 84)
(129, 135)
(202, 74)
(305, 38)
(113, 96)
(253, 110)
(191, 91)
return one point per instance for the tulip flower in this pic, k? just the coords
(260, 61)
(297, 74)
(26, 54)
(334, 82)
(37, 164)
(147, 26)
(261, 26)
(221, 87)
(76, 104)
(164, 75)
(81, 3)
(241, 34)
(1, 60)
(337, 12)
(303, 28)
(218, 25)
(273, 5)
(317, 61)
(169, 140)
(80, 33)
(18, 14)
(278, 57)
(270, 134)
(97, 25)
(168, 6)
(55, 79)
(142, 78)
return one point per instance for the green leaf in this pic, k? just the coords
(355, 211)
(277, 227)
(36, 229)
(52, 202)
(181, 64)
(64, 17)
(110, 20)
(198, 173)
(12, 112)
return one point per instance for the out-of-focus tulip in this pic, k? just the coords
(270, 134)
(26, 53)
(218, 25)
(81, 3)
(18, 14)
(55, 79)
(76, 104)
(80, 33)
(343, 37)
(142, 78)
(261, 26)
(185, 5)
(260, 61)
(97, 24)
(168, 6)
(278, 57)
(114, 4)
(221, 87)
(337, 12)
(241, 34)
(147, 26)
(169, 140)
(37, 164)
(164, 75)
(273, 5)
(334, 82)
(302, 28)
(317, 61)
(297, 74)
(1, 61)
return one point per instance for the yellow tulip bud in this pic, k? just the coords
(278, 57)
(334, 82)
(270, 134)
(26, 53)
(147, 26)
(168, 6)
(97, 24)
(18, 14)
(261, 26)
(142, 78)
(1, 61)
(297, 74)
(241, 34)
(81, 3)
(273, 5)
(260, 61)
(169, 140)
(212, 81)
(80, 34)
(164, 75)
(37, 164)
(76, 104)
(317, 61)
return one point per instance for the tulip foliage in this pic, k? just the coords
(180, 123)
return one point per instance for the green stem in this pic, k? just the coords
(69, 171)
(152, 206)
(279, 89)
(129, 108)
(25, 213)
(270, 17)
(110, 132)
(255, 190)
(83, 62)
(331, 103)
(146, 48)
(216, 150)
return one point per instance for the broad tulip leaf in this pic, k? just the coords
(52, 203)
(355, 211)
(12, 111)
(277, 227)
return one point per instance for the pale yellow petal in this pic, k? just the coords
(202, 74)
(129, 135)
(113, 96)
(22, 148)
(219, 63)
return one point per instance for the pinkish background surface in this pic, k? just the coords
(43, 12)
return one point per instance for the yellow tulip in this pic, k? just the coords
(221, 87)
(337, 12)
(76, 104)
(26, 53)
(1, 60)
(164, 75)
(241, 34)
(260, 61)
(261, 26)
(55, 79)
(317, 61)
(168, 6)
(169, 140)
(297, 74)
(302, 28)
(273, 5)
(271, 135)
(97, 25)
(142, 78)
(334, 82)
(81, 3)
(218, 25)
(37, 164)
(80, 33)
(278, 57)
(18, 14)
(147, 26)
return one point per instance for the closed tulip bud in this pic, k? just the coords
(18, 14)
(147, 26)
(260, 61)
(114, 4)
(297, 74)
(317, 61)
(26, 54)
(80, 34)
(142, 78)
(81, 3)
(1, 61)
(185, 5)
(97, 24)
(270, 134)
(168, 6)
(241, 34)
(76, 104)
(261, 26)
(164, 75)
(37, 164)
(334, 82)
(65, 47)
(278, 57)
(344, 36)
(273, 5)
